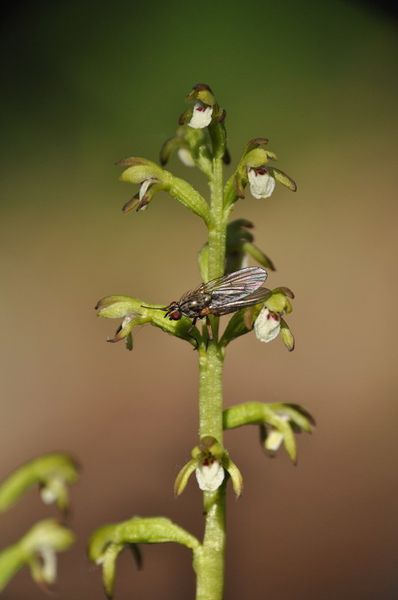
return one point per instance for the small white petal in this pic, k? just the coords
(267, 326)
(185, 157)
(210, 477)
(47, 495)
(52, 490)
(261, 184)
(49, 568)
(201, 116)
(144, 187)
(274, 440)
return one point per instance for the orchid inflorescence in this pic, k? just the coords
(230, 287)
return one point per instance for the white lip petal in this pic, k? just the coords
(47, 495)
(261, 184)
(185, 157)
(274, 440)
(210, 477)
(201, 116)
(144, 187)
(49, 568)
(267, 326)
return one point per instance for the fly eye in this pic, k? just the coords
(175, 315)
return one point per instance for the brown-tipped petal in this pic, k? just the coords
(131, 205)
(227, 157)
(131, 161)
(284, 290)
(222, 116)
(256, 143)
(203, 93)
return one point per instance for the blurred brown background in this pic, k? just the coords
(86, 84)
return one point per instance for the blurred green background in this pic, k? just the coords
(85, 84)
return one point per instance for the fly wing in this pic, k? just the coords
(232, 305)
(233, 286)
(236, 285)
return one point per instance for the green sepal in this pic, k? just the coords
(218, 137)
(279, 301)
(299, 417)
(240, 245)
(256, 158)
(167, 150)
(258, 255)
(287, 336)
(234, 473)
(108, 563)
(201, 92)
(129, 342)
(44, 536)
(209, 446)
(117, 307)
(50, 472)
(283, 178)
(237, 234)
(184, 475)
(142, 169)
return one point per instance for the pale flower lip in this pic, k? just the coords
(49, 568)
(210, 476)
(261, 183)
(267, 326)
(185, 157)
(201, 116)
(145, 185)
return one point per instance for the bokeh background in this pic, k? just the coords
(85, 84)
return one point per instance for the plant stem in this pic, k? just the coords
(217, 226)
(209, 560)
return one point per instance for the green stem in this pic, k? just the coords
(11, 560)
(217, 225)
(209, 559)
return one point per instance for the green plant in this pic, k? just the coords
(228, 287)
(200, 141)
(51, 473)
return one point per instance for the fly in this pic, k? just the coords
(220, 296)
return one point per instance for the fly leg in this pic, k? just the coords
(207, 333)
(192, 336)
(192, 324)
